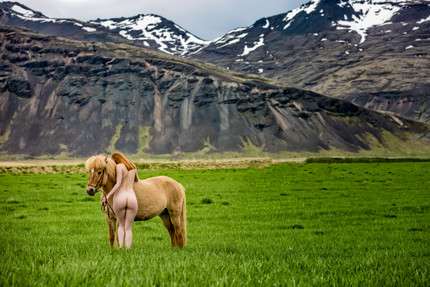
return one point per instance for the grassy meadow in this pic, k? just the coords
(291, 224)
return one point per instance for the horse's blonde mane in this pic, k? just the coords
(100, 162)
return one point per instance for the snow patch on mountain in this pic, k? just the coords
(21, 10)
(231, 38)
(307, 8)
(247, 50)
(143, 24)
(371, 13)
(27, 14)
(423, 20)
(367, 13)
(168, 37)
(89, 29)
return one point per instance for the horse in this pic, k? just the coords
(156, 196)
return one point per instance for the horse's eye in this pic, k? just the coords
(100, 172)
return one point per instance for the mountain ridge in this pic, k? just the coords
(371, 53)
(19, 15)
(148, 30)
(77, 98)
(155, 31)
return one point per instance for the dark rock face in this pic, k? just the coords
(80, 98)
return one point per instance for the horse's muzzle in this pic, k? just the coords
(91, 191)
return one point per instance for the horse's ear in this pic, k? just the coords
(106, 159)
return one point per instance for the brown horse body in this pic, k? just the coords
(156, 196)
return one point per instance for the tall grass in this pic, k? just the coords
(285, 225)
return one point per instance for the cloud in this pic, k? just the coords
(206, 19)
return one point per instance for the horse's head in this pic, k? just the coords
(101, 170)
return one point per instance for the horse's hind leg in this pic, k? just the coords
(165, 217)
(179, 237)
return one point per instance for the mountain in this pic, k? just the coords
(79, 98)
(156, 32)
(151, 31)
(19, 15)
(373, 53)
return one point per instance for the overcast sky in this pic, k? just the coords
(207, 19)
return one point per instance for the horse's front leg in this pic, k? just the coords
(112, 230)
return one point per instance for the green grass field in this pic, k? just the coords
(313, 224)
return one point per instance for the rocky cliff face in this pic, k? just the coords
(81, 98)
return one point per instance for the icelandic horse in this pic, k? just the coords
(156, 196)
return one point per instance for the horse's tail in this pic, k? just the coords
(184, 220)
